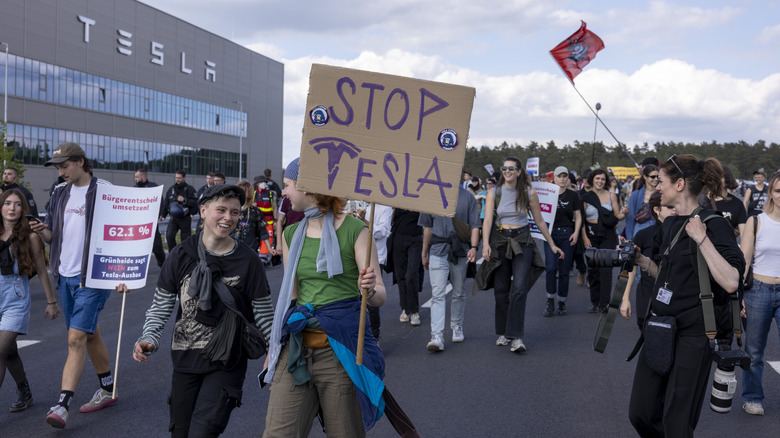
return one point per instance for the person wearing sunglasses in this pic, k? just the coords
(511, 252)
(640, 214)
(602, 214)
(670, 404)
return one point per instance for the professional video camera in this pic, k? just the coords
(724, 383)
(609, 258)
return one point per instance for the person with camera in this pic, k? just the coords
(512, 249)
(602, 214)
(565, 232)
(761, 301)
(669, 389)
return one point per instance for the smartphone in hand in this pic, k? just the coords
(32, 218)
(261, 377)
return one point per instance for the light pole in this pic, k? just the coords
(5, 86)
(593, 153)
(240, 139)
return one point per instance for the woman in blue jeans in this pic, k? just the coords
(762, 301)
(564, 232)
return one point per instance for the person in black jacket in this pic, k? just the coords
(180, 202)
(157, 247)
(670, 405)
(10, 180)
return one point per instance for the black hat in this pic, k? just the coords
(222, 190)
(259, 179)
(650, 160)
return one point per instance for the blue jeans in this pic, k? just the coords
(81, 305)
(554, 265)
(762, 305)
(439, 270)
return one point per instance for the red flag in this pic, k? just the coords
(575, 52)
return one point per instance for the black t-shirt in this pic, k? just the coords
(241, 268)
(757, 200)
(405, 222)
(568, 203)
(679, 272)
(644, 239)
(733, 210)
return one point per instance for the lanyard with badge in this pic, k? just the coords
(664, 293)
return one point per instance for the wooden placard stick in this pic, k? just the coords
(364, 299)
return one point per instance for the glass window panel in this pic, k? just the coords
(18, 68)
(28, 78)
(51, 93)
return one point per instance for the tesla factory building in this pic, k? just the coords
(136, 88)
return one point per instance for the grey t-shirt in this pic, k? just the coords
(467, 211)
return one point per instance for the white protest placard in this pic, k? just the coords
(532, 166)
(386, 139)
(548, 204)
(123, 228)
(489, 168)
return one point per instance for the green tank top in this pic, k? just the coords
(315, 287)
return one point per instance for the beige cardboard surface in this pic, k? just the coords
(385, 139)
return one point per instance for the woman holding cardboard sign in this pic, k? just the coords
(318, 312)
(513, 248)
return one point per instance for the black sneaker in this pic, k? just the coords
(562, 308)
(550, 310)
(593, 309)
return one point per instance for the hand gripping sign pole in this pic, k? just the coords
(364, 299)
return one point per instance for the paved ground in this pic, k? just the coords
(560, 387)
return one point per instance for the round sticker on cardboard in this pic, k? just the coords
(448, 139)
(319, 115)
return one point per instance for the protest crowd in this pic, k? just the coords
(311, 334)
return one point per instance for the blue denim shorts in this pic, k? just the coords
(14, 303)
(81, 305)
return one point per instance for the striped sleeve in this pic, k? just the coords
(263, 311)
(156, 317)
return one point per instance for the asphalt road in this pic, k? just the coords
(559, 387)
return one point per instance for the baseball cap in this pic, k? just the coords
(222, 190)
(64, 152)
(561, 169)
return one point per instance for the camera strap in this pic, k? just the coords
(607, 319)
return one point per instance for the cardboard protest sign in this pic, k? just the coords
(532, 166)
(548, 203)
(387, 139)
(123, 228)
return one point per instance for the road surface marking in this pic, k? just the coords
(22, 344)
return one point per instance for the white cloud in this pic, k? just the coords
(665, 100)
(770, 34)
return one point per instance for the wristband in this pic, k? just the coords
(474, 246)
(702, 240)
(371, 294)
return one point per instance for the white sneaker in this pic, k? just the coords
(517, 346)
(753, 408)
(404, 317)
(436, 344)
(415, 319)
(457, 334)
(502, 341)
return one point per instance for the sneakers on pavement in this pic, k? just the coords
(404, 317)
(436, 344)
(753, 408)
(502, 341)
(100, 400)
(562, 308)
(593, 309)
(517, 346)
(57, 416)
(550, 308)
(415, 319)
(457, 334)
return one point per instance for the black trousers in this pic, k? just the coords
(600, 279)
(407, 261)
(157, 249)
(184, 224)
(200, 404)
(670, 406)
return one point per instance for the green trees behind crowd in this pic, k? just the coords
(743, 158)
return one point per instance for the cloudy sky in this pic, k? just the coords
(671, 70)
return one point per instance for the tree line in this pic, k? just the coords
(743, 158)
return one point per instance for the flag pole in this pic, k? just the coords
(119, 343)
(364, 295)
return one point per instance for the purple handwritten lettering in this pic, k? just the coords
(406, 110)
(350, 113)
(370, 108)
(361, 174)
(389, 158)
(440, 105)
(437, 182)
(335, 148)
(406, 179)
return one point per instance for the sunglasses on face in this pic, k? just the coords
(509, 168)
(652, 176)
(682, 174)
